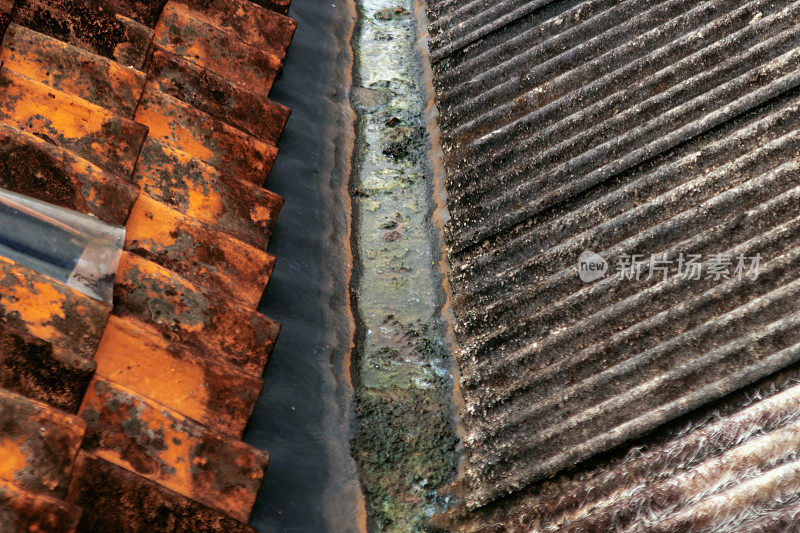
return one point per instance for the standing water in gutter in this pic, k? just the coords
(405, 439)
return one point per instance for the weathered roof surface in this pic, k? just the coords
(155, 116)
(617, 127)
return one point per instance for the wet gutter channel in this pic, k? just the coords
(405, 439)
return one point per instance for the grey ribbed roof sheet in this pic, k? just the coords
(658, 128)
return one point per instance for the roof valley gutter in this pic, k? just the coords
(304, 415)
(405, 441)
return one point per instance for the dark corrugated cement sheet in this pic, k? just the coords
(659, 130)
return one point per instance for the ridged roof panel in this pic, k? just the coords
(624, 128)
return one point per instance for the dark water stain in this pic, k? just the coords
(303, 416)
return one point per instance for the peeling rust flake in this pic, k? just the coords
(200, 191)
(145, 437)
(94, 78)
(216, 50)
(34, 368)
(107, 140)
(209, 258)
(34, 167)
(114, 499)
(50, 310)
(233, 104)
(38, 444)
(211, 327)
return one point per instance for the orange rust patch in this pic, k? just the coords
(212, 327)
(214, 142)
(256, 26)
(12, 460)
(136, 356)
(200, 191)
(50, 310)
(38, 444)
(211, 259)
(107, 140)
(162, 445)
(23, 510)
(216, 50)
(80, 73)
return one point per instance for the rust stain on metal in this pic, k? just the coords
(233, 104)
(50, 310)
(22, 510)
(256, 26)
(93, 78)
(37, 444)
(34, 368)
(34, 167)
(164, 446)
(215, 49)
(86, 24)
(214, 142)
(212, 327)
(107, 140)
(212, 259)
(200, 191)
(108, 493)
(137, 356)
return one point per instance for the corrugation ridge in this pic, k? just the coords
(559, 259)
(559, 55)
(549, 99)
(626, 429)
(458, 81)
(561, 134)
(507, 416)
(479, 224)
(483, 24)
(764, 408)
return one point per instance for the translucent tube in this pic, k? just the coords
(75, 249)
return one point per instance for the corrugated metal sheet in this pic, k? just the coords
(731, 466)
(617, 127)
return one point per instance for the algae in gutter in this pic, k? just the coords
(405, 441)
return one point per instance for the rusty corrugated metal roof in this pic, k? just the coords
(621, 128)
(153, 115)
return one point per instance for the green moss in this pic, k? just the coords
(405, 446)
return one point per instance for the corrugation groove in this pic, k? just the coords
(622, 127)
